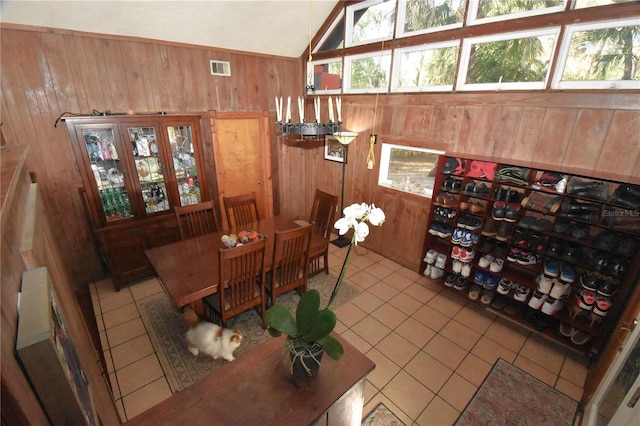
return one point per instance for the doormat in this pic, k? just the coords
(167, 328)
(381, 416)
(509, 396)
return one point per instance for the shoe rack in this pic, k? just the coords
(556, 252)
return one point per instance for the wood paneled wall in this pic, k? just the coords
(45, 73)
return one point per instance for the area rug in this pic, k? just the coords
(509, 396)
(381, 416)
(167, 328)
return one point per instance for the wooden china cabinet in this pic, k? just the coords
(135, 169)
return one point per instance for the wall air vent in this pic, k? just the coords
(220, 67)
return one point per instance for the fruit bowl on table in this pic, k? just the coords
(241, 238)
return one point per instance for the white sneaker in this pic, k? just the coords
(485, 261)
(465, 270)
(441, 261)
(551, 306)
(496, 265)
(537, 299)
(427, 270)
(560, 289)
(430, 257)
(436, 273)
(456, 265)
(544, 284)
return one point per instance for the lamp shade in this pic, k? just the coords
(345, 138)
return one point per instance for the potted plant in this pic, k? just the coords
(309, 332)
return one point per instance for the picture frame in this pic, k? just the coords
(334, 150)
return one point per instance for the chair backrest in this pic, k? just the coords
(322, 213)
(196, 219)
(241, 210)
(290, 260)
(242, 273)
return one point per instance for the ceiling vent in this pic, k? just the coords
(220, 67)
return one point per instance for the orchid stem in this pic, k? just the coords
(343, 272)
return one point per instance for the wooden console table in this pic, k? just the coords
(257, 388)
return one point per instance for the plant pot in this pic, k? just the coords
(305, 361)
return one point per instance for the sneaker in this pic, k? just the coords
(436, 273)
(427, 270)
(602, 305)
(580, 337)
(478, 277)
(490, 228)
(430, 257)
(567, 273)
(467, 255)
(487, 296)
(521, 293)
(466, 270)
(566, 329)
(504, 232)
(560, 289)
(444, 231)
(450, 280)
(526, 222)
(455, 252)
(551, 306)
(485, 261)
(496, 265)
(607, 287)
(551, 268)
(504, 286)
(441, 261)
(544, 284)
(498, 210)
(460, 284)
(589, 281)
(528, 258)
(475, 292)
(514, 254)
(537, 299)
(457, 236)
(456, 266)
(491, 282)
(585, 299)
(511, 214)
(468, 239)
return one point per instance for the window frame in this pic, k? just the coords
(346, 72)
(396, 64)
(472, 13)
(400, 21)
(349, 23)
(465, 53)
(328, 32)
(385, 154)
(558, 84)
(318, 91)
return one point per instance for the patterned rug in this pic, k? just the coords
(509, 396)
(381, 416)
(167, 329)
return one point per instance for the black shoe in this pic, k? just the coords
(626, 195)
(588, 189)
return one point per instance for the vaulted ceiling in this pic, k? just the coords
(262, 26)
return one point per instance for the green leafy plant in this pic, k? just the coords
(313, 324)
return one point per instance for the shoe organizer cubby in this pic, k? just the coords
(557, 252)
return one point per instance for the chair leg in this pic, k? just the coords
(326, 263)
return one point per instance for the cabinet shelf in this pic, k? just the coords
(589, 208)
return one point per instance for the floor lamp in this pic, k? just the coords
(345, 138)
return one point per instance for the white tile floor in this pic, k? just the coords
(432, 349)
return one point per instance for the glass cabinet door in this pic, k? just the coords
(149, 167)
(184, 164)
(107, 172)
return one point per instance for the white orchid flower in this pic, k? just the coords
(343, 224)
(361, 230)
(376, 217)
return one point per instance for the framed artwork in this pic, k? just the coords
(334, 150)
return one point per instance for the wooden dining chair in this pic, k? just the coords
(322, 214)
(196, 219)
(241, 210)
(290, 263)
(241, 283)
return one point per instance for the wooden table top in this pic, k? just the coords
(257, 389)
(188, 270)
